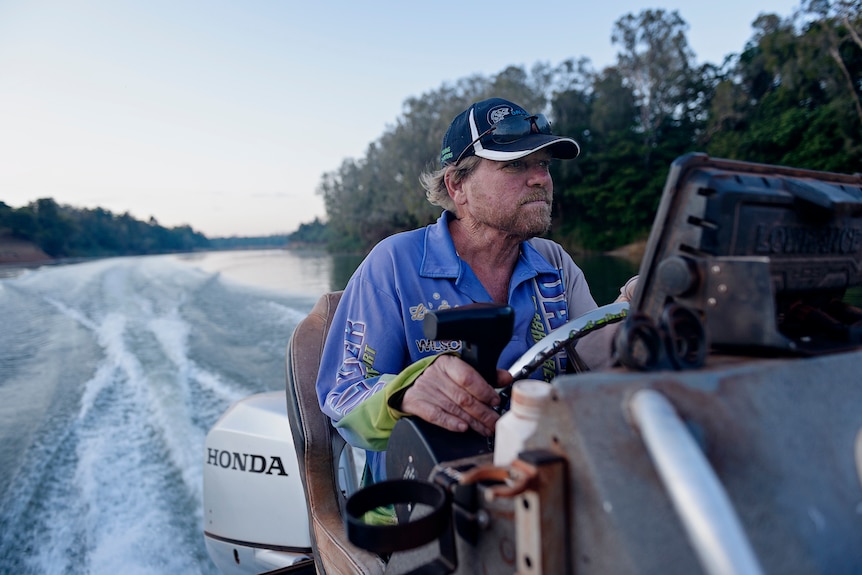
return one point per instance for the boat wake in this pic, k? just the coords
(111, 373)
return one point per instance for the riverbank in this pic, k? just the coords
(633, 252)
(15, 251)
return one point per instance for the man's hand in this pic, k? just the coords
(627, 292)
(452, 395)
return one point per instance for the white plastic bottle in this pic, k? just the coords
(529, 398)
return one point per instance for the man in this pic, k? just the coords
(496, 191)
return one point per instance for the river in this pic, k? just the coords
(111, 373)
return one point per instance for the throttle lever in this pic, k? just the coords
(483, 329)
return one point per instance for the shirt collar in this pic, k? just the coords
(440, 260)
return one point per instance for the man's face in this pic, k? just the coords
(514, 197)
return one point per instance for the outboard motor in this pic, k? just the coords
(255, 518)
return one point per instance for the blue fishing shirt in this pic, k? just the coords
(377, 330)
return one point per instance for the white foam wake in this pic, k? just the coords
(116, 485)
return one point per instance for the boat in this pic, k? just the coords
(728, 438)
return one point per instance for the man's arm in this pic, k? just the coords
(365, 343)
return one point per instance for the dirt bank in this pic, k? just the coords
(632, 252)
(15, 251)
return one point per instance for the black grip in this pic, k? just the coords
(483, 329)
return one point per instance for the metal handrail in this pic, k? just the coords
(699, 498)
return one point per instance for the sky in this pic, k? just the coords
(224, 115)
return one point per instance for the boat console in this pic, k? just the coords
(747, 258)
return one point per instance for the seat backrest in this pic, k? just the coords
(318, 447)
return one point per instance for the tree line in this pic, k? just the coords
(64, 231)
(790, 97)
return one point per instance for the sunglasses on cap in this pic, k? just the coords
(511, 129)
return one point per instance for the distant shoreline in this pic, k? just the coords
(21, 252)
(14, 251)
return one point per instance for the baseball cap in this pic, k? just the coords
(497, 129)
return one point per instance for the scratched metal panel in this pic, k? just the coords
(779, 433)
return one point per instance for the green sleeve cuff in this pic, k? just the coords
(369, 424)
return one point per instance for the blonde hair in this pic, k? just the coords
(434, 182)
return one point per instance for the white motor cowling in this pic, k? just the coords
(255, 515)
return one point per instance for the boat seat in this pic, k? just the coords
(318, 448)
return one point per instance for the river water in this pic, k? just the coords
(111, 373)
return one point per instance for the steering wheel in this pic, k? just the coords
(565, 336)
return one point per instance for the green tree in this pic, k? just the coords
(315, 232)
(22, 223)
(786, 101)
(54, 228)
(656, 63)
(832, 31)
(634, 119)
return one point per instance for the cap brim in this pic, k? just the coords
(559, 146)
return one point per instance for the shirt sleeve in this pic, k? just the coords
(366, 352)
(360, 348)
(369, 424)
